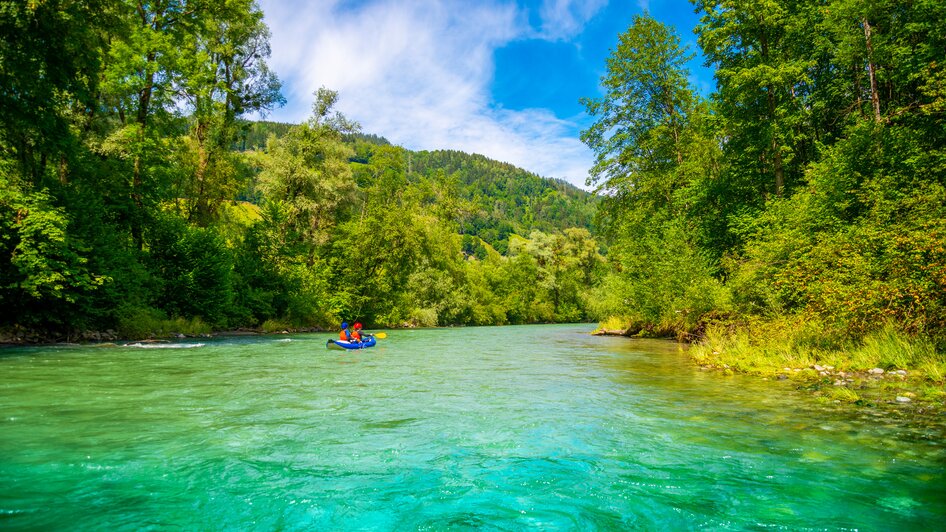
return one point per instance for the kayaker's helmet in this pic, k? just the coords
(344, 325)
(357, 326)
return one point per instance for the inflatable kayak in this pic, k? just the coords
(341, 344)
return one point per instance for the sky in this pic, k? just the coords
(501, 78)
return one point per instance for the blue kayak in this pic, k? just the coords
(341, 344)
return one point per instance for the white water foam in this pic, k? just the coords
(163, 346)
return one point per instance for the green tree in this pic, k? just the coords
(44, 274)
(50, 54)
(762, 71)
(639, 122)
(657, 156)
(194, 268)
(141, 71)
(226, 77)
(307, 176)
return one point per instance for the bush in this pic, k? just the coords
(423, 317)
(194, 268)
(272, 326)
(663, 282)
(136, 323)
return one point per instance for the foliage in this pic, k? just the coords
(637, 133)
(494, 200)
(768, 347)
(662, 283)
(193, 267)
(47, 272)
(804, 200)
(140, 323)
(306, 174)
(652, 149)
(136, 195)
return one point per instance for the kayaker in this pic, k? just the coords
(357, 334)
(345, 335)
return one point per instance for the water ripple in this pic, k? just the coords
(477, 428)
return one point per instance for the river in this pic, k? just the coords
(501, 428)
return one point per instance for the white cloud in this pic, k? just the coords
(565, 18)
(419, 72)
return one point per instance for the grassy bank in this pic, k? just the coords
(885, 367)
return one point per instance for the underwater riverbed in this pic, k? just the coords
(494, 427)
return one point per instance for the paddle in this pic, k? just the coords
(381, 335)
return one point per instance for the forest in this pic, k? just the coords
(137, 198)
(797, 211)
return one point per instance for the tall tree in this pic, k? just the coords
(307, 174)
(656, 158)
(50, 53)
(141, 70)
(226, 77)
(639, 122)
(760, 83)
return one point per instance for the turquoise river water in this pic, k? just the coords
(504, 428)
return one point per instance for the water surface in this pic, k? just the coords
(476, 428)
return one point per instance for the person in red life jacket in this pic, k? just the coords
(356, 334)
(345, 335)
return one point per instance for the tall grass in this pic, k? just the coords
(139, 323)
(757, 348)
(273, 326)
(613, 323)
(888, 348)
(767, 347)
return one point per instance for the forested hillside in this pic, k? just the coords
(491, 200)
(801, 209)
(501, 200)
(135, 197)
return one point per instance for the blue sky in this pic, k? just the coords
(500, 78)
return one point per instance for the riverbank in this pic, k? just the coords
(23, 336)
(886, 370)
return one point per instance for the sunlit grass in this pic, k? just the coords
(890, 349)
(794, 348)
(139, 323)
(780, 344)
(757, 348)
(272, 326)
(843, 394)
(613, 323)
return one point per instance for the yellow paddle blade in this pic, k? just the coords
(381, 335)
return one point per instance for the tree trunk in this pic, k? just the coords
(136, 231)
(857, 91)
(871, 71)
(201, 212)
(676, 144)
(774, 145)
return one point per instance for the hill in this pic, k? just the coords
(487, 199)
